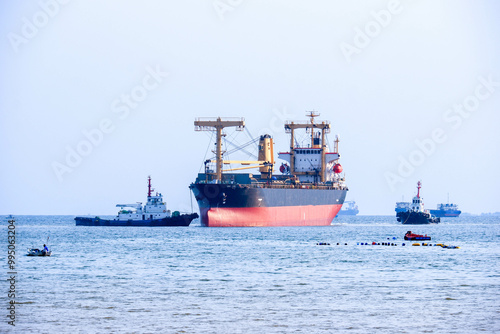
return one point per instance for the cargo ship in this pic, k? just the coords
(154, 213)
(416, 214)
(402, 206)
(309, 191)
(446, 210)
(350, 208)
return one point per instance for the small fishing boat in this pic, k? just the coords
(412, 236)
(38, 252)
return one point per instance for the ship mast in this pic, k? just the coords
(324, 126)
(419, 185)
(149, 186)
(217, 125)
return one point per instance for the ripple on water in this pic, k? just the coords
(199, 280)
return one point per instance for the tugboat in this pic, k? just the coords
(416, 214)
(154, 213)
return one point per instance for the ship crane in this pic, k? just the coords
(217, 124)
(265, 160)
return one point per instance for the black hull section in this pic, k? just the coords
(242, 205)
(182, 220)
(416, 218)
(244, 196)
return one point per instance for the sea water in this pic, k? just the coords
(254, 280)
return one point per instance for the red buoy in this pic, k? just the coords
(337, 168)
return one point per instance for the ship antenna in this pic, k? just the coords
(419, 185)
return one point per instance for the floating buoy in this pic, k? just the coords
(403, 244)
(416, 244)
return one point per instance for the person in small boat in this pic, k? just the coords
(45, 249)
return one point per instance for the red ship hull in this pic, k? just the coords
(310, 215)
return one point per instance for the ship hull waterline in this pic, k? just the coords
(441, 214)
(241, 206)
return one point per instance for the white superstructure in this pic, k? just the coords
(308, 160)
(312, 163)
(155, 208)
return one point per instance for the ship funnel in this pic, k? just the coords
(266, 154)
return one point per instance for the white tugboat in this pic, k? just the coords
(416, 214)
(154, 213)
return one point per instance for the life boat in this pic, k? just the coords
(412, 236)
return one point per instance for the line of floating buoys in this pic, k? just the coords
(439, 245)
(389, 244)
(378, 243)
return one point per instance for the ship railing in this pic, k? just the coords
(214, 119)
(282, 186)
(293, 186)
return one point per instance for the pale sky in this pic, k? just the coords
(97, 95)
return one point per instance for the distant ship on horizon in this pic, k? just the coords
(350, 208)
(402, 207)
(446, 210)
